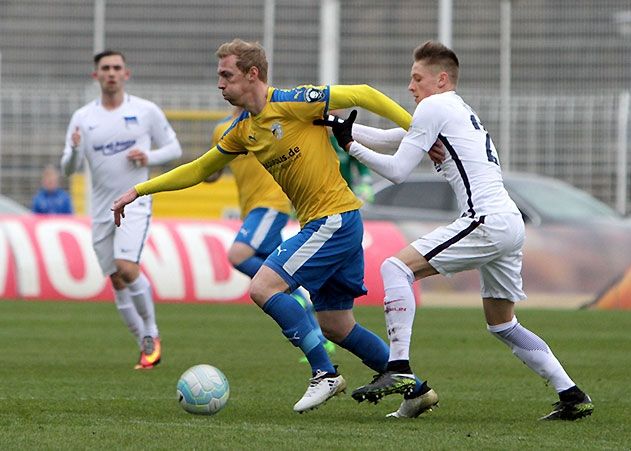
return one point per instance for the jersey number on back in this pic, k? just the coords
(489, 148)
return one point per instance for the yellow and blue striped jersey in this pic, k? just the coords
(297, 153)
(255, 186)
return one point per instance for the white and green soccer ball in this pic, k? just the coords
(203, 389)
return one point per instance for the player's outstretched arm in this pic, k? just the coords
(395, 168)
(371, 99)
(183, 176)
(187, 175)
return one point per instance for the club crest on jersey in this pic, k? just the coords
(130, 120)
(314, 95)
(277, 130)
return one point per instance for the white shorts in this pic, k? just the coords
(492, 244)
(119, 243)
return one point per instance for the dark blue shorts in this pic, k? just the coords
(261, 230)
(326, 257)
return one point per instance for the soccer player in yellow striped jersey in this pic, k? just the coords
(265, 212)
(326, 256)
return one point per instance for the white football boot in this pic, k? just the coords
(413, 407)
(322, 387)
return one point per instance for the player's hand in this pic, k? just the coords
(76, 138)
(119, 205)
(437, 152)
(342, 128)
(138, 158)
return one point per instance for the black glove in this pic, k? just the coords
(342, 128)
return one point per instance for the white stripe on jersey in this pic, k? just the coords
(106, 138)
(471, 165)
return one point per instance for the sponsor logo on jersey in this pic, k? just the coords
(314, 95)
(115, 147)
(293, 152)
(277, 130)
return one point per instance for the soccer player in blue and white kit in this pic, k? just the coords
(488, 236)
(114, 134)
(326, 256)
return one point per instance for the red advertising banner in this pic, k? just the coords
(51, 257)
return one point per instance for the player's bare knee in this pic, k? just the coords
(328, 332)
(238, 253)
(127, 271)
(332, 333)
(117, 282)
(259, 291)
(336, 324)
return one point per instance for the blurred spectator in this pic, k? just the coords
(51, 199)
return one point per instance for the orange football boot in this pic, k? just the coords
(150, 354)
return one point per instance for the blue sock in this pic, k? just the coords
(250, 266)
(418, 389)
(369, 347)
(299, 295)
(293, 321)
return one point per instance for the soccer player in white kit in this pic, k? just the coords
(114, 134)
(488, 236)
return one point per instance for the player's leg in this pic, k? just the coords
(398, 274)
(126, 308)
(309, 259)
(537, 355)
(258, 237)
(501, 287)
(129, 240)
(301, 295)
(103, 245)
(445, 251)
(334, 301)
(268, 291)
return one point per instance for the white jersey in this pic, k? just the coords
(471, 165)
(106, 138)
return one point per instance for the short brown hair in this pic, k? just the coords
(105, 53)
(249, 54)
(436, 54)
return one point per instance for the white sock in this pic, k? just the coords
(140, 291)
(399, 306)
(534, 352)
(128, 313)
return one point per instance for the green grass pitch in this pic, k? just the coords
(66, 382)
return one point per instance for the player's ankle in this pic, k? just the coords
(399, 366)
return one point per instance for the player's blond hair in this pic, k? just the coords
(436, 54)
(249, 54)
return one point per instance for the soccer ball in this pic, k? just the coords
(203, 389)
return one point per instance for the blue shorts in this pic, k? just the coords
(326, 257)
(261, 230)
